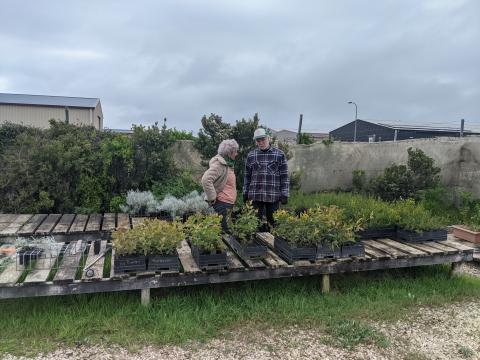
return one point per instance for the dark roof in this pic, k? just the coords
(396, 126)
(45, 100)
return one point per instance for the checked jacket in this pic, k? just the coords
(266, 175)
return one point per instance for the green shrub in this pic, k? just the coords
(177, 186)
(205, 231)
(359, 180)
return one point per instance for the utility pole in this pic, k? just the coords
(67, 117)
(462, 127)
(356, 118)
(395, 135)
(299, 128)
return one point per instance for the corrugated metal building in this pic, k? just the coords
(372, 132)
(37, 110)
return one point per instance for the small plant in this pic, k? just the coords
(415, 217)
(246, 224)
(140, 203)
(150, 237)
(204, 231)
(195, 203)
(175, 207)
(316, 225)
(328, 142)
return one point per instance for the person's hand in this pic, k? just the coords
(284, 200)
(212, 202)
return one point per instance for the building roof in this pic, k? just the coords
(46, 100)
(397, 126)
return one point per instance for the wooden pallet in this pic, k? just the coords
(379, 254)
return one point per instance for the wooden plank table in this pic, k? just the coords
(379, 254)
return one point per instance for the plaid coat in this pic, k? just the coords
(266, 175)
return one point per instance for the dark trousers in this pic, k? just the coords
(266, 209)
(222, 208)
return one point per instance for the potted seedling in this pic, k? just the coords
(337, 233)
(380, 218)
(128, 257)
(294, 238)
(204, 235)
(159, 241)
(243, 233)
(416, 224)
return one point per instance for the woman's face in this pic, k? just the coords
(233, 154)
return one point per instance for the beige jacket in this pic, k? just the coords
(215, 178)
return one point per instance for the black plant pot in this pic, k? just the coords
(251, 251)
(160, 262)
(325, 251)
(377, 233)
(353, 249)
(28, 254)
(293, 253)
(413, 236)
(209, 260)
(129, 263)
(96, 247)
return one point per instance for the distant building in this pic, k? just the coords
(37, 110)
(290, 136)
(373, 132)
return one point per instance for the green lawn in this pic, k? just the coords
(28, 326)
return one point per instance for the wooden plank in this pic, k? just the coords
(63, 224)
(48, 224)
(444, 248)
(404, 247)
(254, 264)
(94, 223)
(11, 273)
(43, 266)
(428, 249)
(7, 218)
(69, 265)
(78, 224)
(123, 221)
(108, 223)
(232, 262)
(267, 238)
(395, 253)
(3, 225)
(31, 225)
(16, 224)
(457, 245)
(185, 255)
(273, 260)
(137, 221)
(97, 267)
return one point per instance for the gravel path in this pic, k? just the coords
(449, 332)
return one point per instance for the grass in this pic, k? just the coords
(29, 326)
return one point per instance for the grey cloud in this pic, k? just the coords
(412, 61)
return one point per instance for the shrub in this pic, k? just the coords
(204, 231)
(177, 186)
(405, 181)
(306, 139)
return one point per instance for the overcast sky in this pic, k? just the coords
(410, 61)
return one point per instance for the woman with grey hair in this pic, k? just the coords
(219, 182)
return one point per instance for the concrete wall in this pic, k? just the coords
(330, 167)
